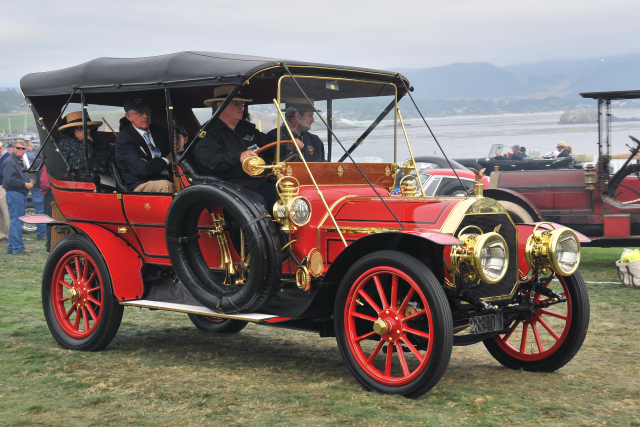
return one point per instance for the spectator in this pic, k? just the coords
(17, 184)
(4, 210)
(556, 153)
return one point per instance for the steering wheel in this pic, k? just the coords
(273, 144)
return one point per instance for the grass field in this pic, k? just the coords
(161, 370)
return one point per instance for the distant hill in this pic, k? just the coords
(553, 78)
(11, 100)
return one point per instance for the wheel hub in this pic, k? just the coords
(73, 294)
(388, 325)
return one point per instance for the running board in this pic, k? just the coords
(197, 309)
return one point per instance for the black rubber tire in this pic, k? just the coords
(517, 213)
(570, 344)
(441, 339)
(262, 243)
(455, 190)
(216, 324)
(110, 316)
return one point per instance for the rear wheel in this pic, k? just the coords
(217, 324)
(548, 338)
(77, 297)
(393, 324)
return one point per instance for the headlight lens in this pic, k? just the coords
(493, 259)
(558, 250)
(566, 248)
(300, 211)
(485, 256)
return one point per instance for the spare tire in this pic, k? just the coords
(261, 239)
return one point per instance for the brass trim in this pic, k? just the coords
(340, 171)
(321, 223)
(406, 137)
(306, 165)
(467, 206)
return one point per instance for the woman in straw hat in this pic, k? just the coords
(71, 136)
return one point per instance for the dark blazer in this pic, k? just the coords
(134, 158)
(14, 178)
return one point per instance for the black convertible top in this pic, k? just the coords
(615, 94)
(172, 70)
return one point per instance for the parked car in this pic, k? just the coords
(393, 278)
(497, 158)
(601, 205)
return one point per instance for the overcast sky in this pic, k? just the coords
(391, 34)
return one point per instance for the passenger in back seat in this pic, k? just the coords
(100, 152)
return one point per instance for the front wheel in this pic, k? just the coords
(548, 338)
(393, 324)
(216, 324)
(77, 297)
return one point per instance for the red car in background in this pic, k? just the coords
(601, 205)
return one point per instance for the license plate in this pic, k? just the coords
(486, 323)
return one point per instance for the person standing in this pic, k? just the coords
(4, 209)
(17, 184)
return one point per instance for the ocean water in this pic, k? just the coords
(473, 136)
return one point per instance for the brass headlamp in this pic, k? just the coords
(292, 211)
(484, 256)
(557, 249)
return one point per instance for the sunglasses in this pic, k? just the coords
(20, 148)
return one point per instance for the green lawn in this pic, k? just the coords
(160, 370)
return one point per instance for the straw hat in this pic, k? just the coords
(220, 93)
(75, 119)
(560, 144)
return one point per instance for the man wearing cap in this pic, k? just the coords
(228, 143)
(142, 150)
(71, 138)
(17, 184)
(299, 117)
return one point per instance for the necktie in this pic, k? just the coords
(154, 150)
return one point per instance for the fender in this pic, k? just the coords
(426, 245)
(514, 197)
(124, 263)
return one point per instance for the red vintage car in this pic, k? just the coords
(603, 206)
(398, 280)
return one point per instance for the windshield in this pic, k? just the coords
(354, 109)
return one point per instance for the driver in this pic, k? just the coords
(229, 141)
(299, 117)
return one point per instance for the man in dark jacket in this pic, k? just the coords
(17, 184)
(230, 141)
(142, 150)
(299, 117)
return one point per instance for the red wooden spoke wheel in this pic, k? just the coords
(389, 329)
(77, 296)
(549, 337)
(393, 324)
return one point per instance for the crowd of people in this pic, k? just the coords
(520, 153)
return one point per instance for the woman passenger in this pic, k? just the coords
(71, 146)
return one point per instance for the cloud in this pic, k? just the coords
(374, 33)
